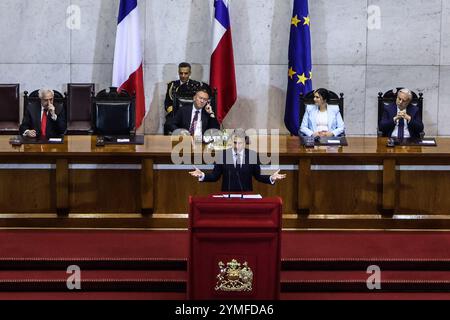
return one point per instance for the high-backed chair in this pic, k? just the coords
(114, 113)
(80, 97)
(389, 97)
(9, 108)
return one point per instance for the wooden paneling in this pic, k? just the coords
(27, 191)
(173, 188)
(147, 186)
(424, 192)
(389, 185)
(114, 191)
(349, 192)
(62, 186)
(32, 197)
(305, 185)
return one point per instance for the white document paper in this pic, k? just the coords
(123, 140)
(334, 141)
(252, 196)
(219, 196)
(55, 140)
(235, 195)
(428, 141)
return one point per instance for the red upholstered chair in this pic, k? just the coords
(9, 108)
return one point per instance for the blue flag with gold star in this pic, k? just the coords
(300, 66)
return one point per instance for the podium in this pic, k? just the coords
(234, 248)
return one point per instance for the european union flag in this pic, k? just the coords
(300, 66)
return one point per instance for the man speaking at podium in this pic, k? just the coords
(238, 166)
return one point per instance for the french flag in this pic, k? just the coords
(127, 71)
(222, 76)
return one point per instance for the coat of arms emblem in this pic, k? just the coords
(234, 277)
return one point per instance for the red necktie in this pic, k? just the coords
(194, 123)
(43, 124)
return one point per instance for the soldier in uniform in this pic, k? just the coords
(182, 91)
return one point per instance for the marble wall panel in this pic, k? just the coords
(338, 31)
(409, 33)
(444, 102)
(34, 31)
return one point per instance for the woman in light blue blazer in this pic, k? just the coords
(321, 119)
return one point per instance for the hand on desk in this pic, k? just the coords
(30, 133)
(323, 134)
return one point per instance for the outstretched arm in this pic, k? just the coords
(277, 176)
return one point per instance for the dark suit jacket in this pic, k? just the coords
(32, 120)
(182, 120)
(387, 124)
(237, 179)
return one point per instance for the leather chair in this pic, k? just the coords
(114, 113)
(389, 97)
(79, 107)
(9, 108)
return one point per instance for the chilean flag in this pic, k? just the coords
(127, 70)
(222, 75)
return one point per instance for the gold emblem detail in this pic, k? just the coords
(234, 277)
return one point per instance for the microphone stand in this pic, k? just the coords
(239, 180)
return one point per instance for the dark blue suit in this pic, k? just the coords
(387, 124)
(237, 179)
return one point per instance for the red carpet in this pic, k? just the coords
(134, 264)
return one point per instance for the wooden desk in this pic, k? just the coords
(77, 184)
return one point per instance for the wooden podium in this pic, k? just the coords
(234, 248)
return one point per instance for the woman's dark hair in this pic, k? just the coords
(323, 93)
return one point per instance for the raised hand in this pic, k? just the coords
(277, 176)
(196, 173)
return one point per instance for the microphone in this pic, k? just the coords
(229, 182)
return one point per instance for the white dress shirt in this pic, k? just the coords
(322, 121)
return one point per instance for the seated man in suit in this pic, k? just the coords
(321, 119)
(238, 166)
(394, 116)
(197, 119)
(43, 120)
(184, 89)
